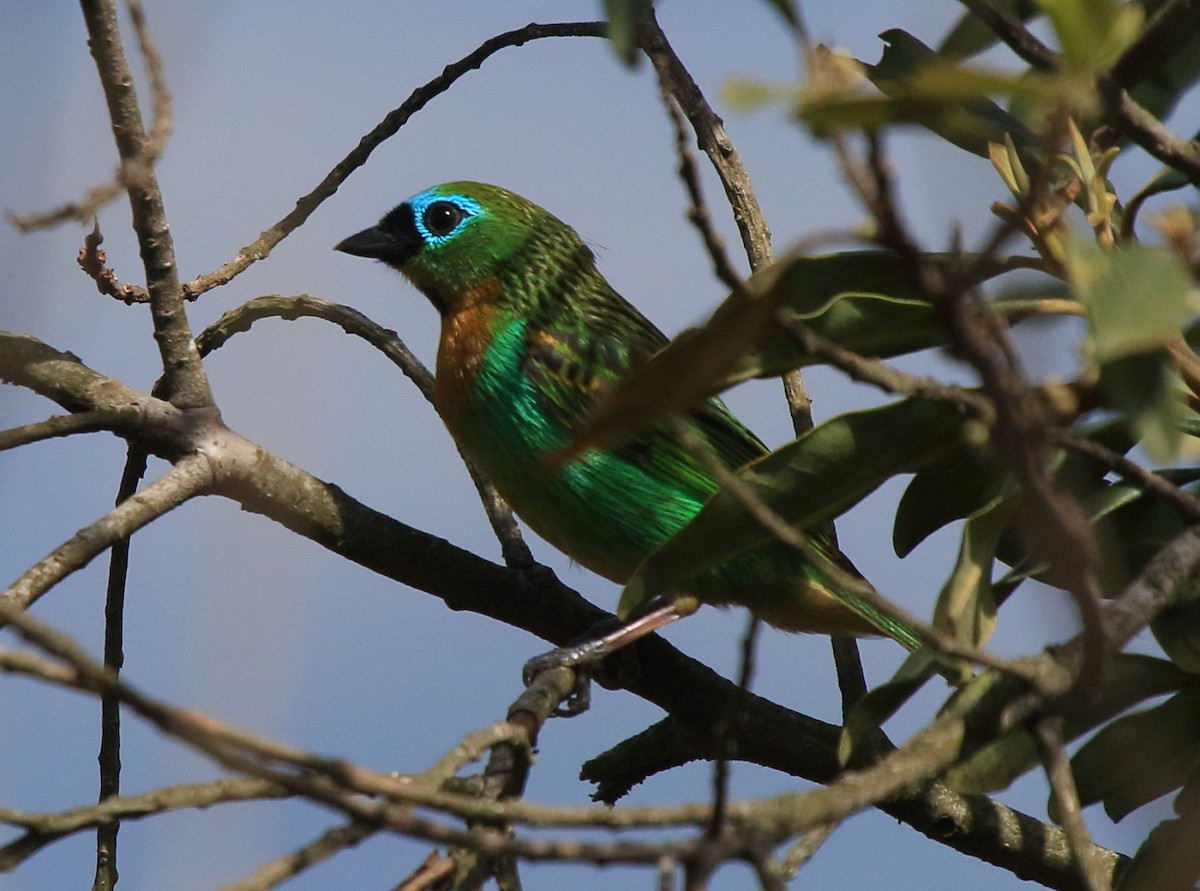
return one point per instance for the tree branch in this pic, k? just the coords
(185, 382)
(262, 246)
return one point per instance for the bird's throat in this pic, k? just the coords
(466, 336)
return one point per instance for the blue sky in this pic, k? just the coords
(231, 614)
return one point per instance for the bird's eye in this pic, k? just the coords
(441, 217)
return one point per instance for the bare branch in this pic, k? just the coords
(275, 872)
(513, 548)
(185, 382)
(191, 476)
(42, 829)
(67, 425)
(537, 602)
(261, 247)
(1048, 732)
(160, 130)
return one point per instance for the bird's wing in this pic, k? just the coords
(573, 365)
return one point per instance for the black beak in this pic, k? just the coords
(394, 247)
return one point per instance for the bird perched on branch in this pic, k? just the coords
(532, 337)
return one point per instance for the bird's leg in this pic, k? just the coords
(584, 655)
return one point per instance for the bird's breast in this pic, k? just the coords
(467, 333)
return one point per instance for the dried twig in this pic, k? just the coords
(275, 872)
(160, 130)
(92, 261)
(43, 829)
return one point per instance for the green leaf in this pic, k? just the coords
(953, 101)
(1093, 33)
(1140, 757)
(970, 35)
(1142, 387)
(942, 95)
(1177, 630)
(862, 300)
(1130, 679)
(807, 482)
(943, 492)
(965, 607)
(970, 476)
(1137, 298)
(1156, 76)
(1168, 860)
(625, 21)
(869, 713)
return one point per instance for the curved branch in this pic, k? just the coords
(513, 548)
(418, 99)
(538, 602)
(42, 829)
(66, 425)
(187, 478)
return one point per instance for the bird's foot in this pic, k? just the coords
(585, 656)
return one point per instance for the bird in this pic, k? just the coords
(532, 338)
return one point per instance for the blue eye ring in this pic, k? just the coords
(439, 218)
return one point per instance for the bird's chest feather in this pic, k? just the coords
(484, 395)
(600, 510)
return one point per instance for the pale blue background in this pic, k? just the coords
(229, 613)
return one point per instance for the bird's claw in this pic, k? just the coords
(580, 659)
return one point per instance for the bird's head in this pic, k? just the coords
(455, 239)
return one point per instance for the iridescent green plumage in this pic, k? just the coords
(532, 336)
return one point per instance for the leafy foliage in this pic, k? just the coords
(1048, 133)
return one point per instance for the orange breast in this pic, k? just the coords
(466, 332)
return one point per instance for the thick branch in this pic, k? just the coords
(536, 601)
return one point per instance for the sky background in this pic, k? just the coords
(229, 613)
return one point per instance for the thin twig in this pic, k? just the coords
(160, 130)
(275, 872)
(1049, 734)
(677, 81)
(262, 246)
(698, 213)
(43, 829)
(67, 425)
(92, 260)
(1125, 114)
(432, 871)
(728, 731)
(1185, 504)
(109, 758)
(1019, 39)
(186, 479)
(805, 847)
